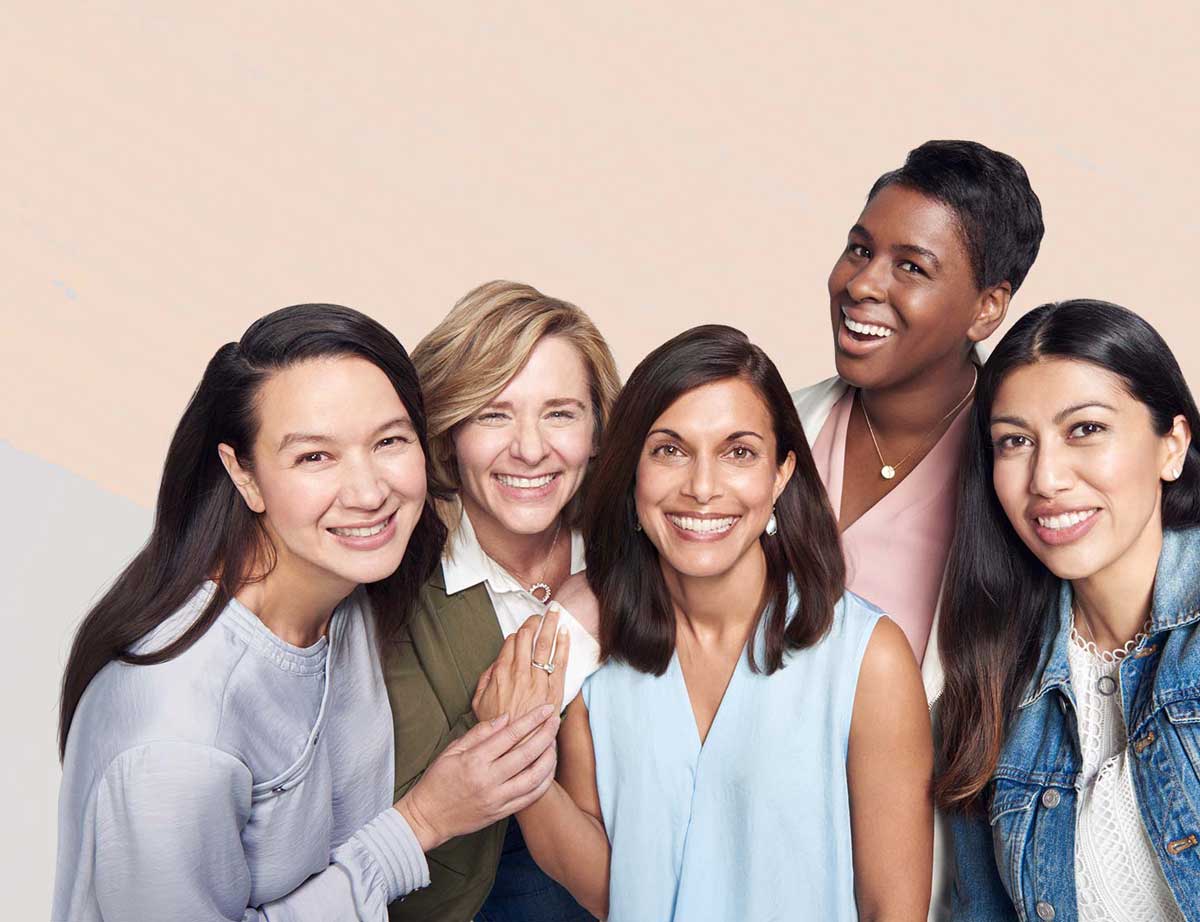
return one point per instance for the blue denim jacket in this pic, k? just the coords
(1018, 862)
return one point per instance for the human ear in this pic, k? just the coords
(783, 474)
(1176, 443)
(242, 478)
(990, 311)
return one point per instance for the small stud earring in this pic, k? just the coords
(772, 525)
(637, 524)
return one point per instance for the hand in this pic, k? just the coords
(495, 769)
(513, 684)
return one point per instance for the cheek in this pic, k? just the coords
(296, 500)
(406, 476)
(475, 449)
(574, 447)
(1010, 479)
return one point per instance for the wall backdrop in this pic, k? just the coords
(172, 171)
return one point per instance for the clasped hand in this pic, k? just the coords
(529, 671)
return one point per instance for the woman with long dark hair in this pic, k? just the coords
(756, 745)
(225, 732)
(1068, 753)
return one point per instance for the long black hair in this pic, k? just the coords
(998, 595)
(202, 528)
(637, 619)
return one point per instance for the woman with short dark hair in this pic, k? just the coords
(756, 745)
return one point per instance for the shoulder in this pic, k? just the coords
(854, 617)
(181, 699)
(817, 399)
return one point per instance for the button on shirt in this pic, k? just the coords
(466, 564)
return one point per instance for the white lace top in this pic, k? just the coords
(1117, 875)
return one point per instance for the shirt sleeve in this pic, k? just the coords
(168, 822)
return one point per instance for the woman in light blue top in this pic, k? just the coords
(225, 731)
(757, 745)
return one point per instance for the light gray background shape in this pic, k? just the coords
(64, 542)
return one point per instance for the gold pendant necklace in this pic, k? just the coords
(888, 471)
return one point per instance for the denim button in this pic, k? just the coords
(1044, 910)
(1051, 798)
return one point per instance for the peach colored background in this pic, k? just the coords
(173, 170)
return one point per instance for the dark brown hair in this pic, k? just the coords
(1000, 601)
(637, 620)
(203, 529)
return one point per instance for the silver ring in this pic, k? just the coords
(547, 668)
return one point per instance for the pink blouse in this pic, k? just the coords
(896, 551)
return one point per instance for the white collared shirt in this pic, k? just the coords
(466, 564)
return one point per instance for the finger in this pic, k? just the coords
(562, 655)
(481, 687)
(505, 737)
(528, 750)
(525, 637)
(478, 734)
(516, 806)
(529, 779)
(508, 654)
(543, 647)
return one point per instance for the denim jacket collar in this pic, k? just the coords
(1175, 603)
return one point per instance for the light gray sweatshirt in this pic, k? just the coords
(246, 779)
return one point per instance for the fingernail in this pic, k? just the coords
(562, 631)
(497, 721)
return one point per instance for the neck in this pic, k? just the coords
(295, 606)
(523, 555)
(1115, 602)
(719, 610)
(910, 409)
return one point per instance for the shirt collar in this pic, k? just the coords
(466, 564)
(1175, 603)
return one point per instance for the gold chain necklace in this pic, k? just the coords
(888, 471)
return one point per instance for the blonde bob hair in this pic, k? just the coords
(469, 358)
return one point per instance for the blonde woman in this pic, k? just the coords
(518, 387)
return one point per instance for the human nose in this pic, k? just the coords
(528, 445)
(1051, 473)
(363, 484)
(867, 283)
(702, 485)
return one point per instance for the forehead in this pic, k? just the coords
(342, 396)
(555, 368)
(1044, 388)
(712, 411)
(900, 215)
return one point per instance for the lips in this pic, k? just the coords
(859, 337)
(1059, 527)
(366, 537)
(865, 328)
(363, 531)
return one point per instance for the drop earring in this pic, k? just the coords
(772, 525)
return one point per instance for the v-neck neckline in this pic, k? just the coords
(837, 471)
(703, 742)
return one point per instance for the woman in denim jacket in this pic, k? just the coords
(1069, 749)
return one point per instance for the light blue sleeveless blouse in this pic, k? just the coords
(754, 824)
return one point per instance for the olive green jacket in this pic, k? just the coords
(431, 675)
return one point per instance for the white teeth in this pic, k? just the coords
(868, 329)
(1066, 520)
(361, 532)
(525, 483)
(703, 526)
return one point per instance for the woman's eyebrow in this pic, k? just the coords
(912, 248)
(1074, 408)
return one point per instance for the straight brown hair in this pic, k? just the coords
(804, 557)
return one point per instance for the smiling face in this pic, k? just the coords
(523, 455)
(707, 479)
(338, 474)
(902, 294)
(1079, 466)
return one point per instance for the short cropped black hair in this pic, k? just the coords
(999, 214)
